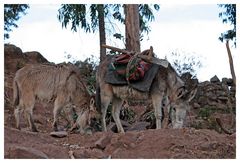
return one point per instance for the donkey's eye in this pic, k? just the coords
(174, 109)
(180, 93)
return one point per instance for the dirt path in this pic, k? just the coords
(166, 143)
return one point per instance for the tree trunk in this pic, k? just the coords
(102, 36)
(231, 63)
(132, 31)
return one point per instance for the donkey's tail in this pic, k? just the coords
(98, 97)
(15, 93)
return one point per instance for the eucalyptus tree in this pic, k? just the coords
(89, 17)
(229, 16)
(136, 19)
(78, 16)
(12, 13)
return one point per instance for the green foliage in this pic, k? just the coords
(228, 16)
(78, 15)
(117, 14)
(118, 36)
(12, 13)
(184, 63)
(205, 113)
(209, 123)
(88, 70)
(127, 114)
(207, 119)
(74, 14)
(146, 15)
(150, 116)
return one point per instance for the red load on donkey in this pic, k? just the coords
(136, 67)
(136, 70)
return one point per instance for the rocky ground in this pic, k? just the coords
(194, 141)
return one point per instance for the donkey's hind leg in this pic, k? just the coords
(32, 126)
(116, 107)
(17, 114)
(59, 104)
(29, 113)
(105, 101)
(157, 105)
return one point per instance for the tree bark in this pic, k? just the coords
(102, 36)
(132, 27)
(231, 63)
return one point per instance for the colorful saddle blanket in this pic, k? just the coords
(140, 75)
(137, 67)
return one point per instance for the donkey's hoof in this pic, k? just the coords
(34, 130)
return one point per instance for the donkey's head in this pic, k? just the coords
(179, 107)
(179, 99)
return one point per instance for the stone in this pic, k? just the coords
(35, 57)
(10, 49)
(103, 141)
(223, 98)
(211, 95)
(202, 100)
(196, 105)
(233, 89)
(59, 134)
(113, 127)
(221, 93)
(224, 80)
(214, 79)
(25, 153)
(138, 126)
(227, 81)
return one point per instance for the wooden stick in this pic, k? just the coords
(157, 61)
(154, 60)
(115, 49)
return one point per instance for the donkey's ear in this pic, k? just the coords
(180, 92)
(191, 94)
(92, 103)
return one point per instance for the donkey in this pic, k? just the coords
(166, 83)
(59, 84)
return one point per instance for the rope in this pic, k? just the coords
(134, 60)
(130, 63)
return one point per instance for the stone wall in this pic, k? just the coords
(216, 94)
(212, 94)
(214, 100)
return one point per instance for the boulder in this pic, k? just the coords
(35, 57)
(227, 81)
(25, 152)
(196, 105)
(138, 126)
(214, 79)
(59, 134)
(103, 141)
(12, 50)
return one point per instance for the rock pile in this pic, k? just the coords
(213, 104)
(216, 94)
(15, 58)
(212, 94)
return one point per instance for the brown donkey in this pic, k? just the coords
(60, 84)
